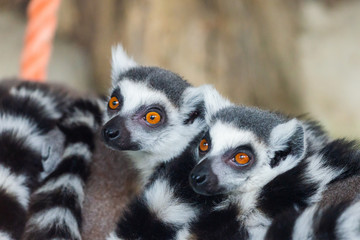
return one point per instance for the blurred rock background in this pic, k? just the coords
(289, 55)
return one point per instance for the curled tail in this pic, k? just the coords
(55, 207)
(339, 221)
(28, 112)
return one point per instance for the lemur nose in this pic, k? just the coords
(198, 179)
(111, 133)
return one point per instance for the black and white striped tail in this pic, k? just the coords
(55, 207)
(340, 221)
(27, 113)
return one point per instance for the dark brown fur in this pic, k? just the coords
(112, 182)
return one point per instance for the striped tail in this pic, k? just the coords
(55, 207)
(24, 122)
(340, 221)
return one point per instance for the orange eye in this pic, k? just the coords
(153, 117)
(204, 145)
(114, 103)
(242, 158)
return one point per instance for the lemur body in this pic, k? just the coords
(267, 163)
(158, 118)
(32, 147)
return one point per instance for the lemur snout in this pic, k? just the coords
(198, 179)
(110, 134)
(117, 136)
(203, 180)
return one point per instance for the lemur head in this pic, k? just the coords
(152, 113)
(245, 148)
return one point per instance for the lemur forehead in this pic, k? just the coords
(258, 121)
(172, 85)
(137, 94)
(225, 136)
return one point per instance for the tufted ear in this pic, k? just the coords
(202, 102)
(213, 101)
(120, 62)
(287, 139)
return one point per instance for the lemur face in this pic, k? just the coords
(244, 148)
(152, 110)
(143, 116)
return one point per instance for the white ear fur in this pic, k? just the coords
(190, 100)
(213, 101)
(120, 61)
(291, 132)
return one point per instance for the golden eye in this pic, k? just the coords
(242, 158)
(114, 103)
(153, 117)
(204, 145)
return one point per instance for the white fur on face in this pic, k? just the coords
(224, 137)
(157, 144)
(162, 202)
(136, 94)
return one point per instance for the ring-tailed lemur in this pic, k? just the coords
(158, 118)
(32, 146)
(28, 115)
(338, 221)
(152, 113)
(56, 205)
(266, 163)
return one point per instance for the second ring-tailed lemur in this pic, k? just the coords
(266, 163)
(158, 118)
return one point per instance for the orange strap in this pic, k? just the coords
(42, 20)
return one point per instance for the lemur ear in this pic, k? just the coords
(201, 102)
(213, 101)
(287, 139)
(120, 62)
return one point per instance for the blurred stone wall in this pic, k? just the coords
(245, 48)
(289, 55)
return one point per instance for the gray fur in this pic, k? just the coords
(160, 79)
(259, 121)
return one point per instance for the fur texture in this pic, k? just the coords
(163, 153)
(292, 163)
(56, 205)
(28, 113)
(338, 221)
